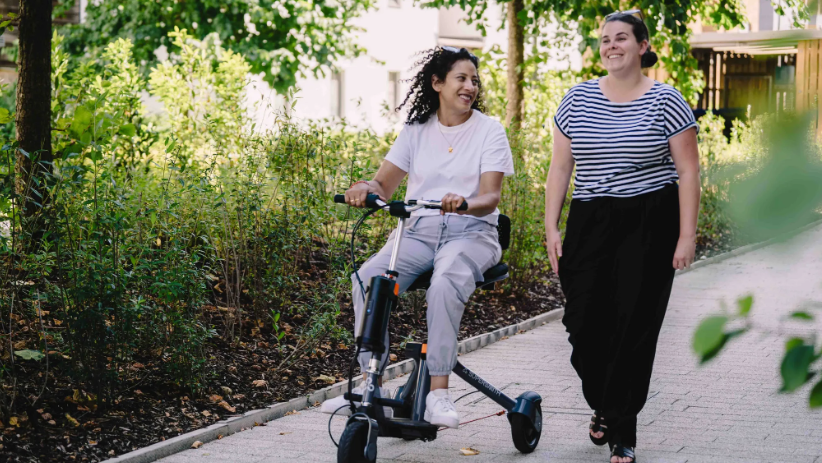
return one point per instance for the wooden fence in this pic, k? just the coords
(808, 78)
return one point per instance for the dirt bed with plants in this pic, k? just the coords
(60, 422)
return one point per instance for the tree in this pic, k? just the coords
(284, 40)
(33, 120)
(667, 22)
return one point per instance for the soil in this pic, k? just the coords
(64, 425)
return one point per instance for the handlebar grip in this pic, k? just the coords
(371, 201)
(339, 199)
(463, 206)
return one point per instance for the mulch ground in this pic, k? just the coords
(63, 424)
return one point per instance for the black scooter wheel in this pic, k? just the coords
(352, 444)
(525, 433)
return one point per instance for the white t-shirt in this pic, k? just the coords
(480, 145)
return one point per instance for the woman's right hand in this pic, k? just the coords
(355, 196)
(554, 244)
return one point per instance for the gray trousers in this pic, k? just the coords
(459, 249)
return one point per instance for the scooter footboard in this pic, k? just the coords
(484, 386)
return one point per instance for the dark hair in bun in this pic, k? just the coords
(640, 30)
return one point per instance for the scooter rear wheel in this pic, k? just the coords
(525, 434)
(352, 444)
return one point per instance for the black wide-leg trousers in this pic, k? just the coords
(616, 271)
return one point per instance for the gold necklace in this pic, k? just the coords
(439, 126)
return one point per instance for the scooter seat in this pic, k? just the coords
(494, 274)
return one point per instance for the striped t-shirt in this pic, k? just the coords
(621, 149)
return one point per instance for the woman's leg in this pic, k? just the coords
(585, 270)
(643, 276)
(416, 257)
(471, 247)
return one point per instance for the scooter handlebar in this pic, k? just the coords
(370, 200)
(373, 201)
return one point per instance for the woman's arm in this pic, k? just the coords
(685, 154)
(556, 188)
(485, 203)
(384, 184)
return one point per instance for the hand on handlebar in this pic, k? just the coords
(355, 196)
(450, 203)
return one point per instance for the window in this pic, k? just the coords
(338, 94)
(394, 3)
(394, 89)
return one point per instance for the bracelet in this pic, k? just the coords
(360, 181)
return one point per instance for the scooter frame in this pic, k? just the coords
(524, 413)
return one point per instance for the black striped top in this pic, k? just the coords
(621, 149)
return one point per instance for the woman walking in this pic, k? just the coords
(630, 225)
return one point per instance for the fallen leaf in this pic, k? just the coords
(392, 357)
(46, 416)
(206, 413)
(260, 383)
(196, 444)
(219, 436)
(58, 322)
(71, 420)
(226, 406)
(13, 421)
(226, 391)
(284, 433)
(326, 379)
(215, 398)
(92, 442)
(468, 451)
(292, 412)
(52, 422)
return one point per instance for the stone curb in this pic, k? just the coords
(250, 419)
(749, 248)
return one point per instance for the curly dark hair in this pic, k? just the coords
(424, 99)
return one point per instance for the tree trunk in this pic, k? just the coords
(516, 46)
(34, 110)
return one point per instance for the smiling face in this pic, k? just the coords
(460, 88)
(619, 48)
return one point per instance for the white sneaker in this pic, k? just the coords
(440, 410)
(330, 405)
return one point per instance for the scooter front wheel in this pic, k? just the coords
(525, 433)
(352, 444)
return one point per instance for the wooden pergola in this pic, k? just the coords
(773, 71)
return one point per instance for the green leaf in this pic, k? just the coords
(745, 304)
(816, 395)
(793, 342)
(795, 367)
(73, 148)
(709, 334)
(28, 354)
(802, 315)
(128, 130)
(5, 116)
(82, 117)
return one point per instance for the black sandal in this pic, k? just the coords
(622, 451)
(598, 425)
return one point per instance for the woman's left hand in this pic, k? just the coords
(450, 203)
(684, 254)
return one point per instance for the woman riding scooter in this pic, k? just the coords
(451, 151)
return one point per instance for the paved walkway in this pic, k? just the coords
(727, 411)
